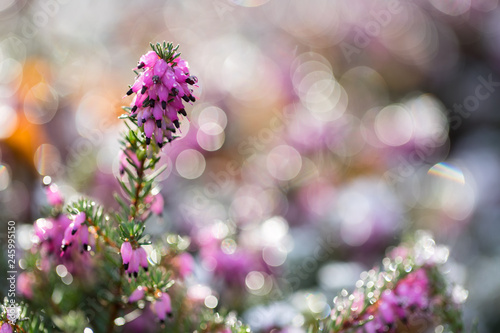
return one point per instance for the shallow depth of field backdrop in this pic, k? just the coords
(337, 125)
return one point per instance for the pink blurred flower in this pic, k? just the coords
(156, 202)
(54, 197)
(6, 328)
(185, 264)
(124, 157)
(163, 307)
(25, 282)
(137, 294)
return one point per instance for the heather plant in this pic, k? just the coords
(95, 269)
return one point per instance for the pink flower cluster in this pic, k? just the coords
(133, 259)
(160, 91)
(411, 296)
(49, 233)
(55, 235)
(76, 231)
(162, 306)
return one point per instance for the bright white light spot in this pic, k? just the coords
(284, 162)
(394, 125)
(274, 255)
(274, 229)
(255, 280)
(8, 121)
(61, 270)
(211, 302)
(190, 164)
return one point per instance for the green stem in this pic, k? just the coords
(136, 199)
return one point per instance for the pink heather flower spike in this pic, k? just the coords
(6, 328)
(161, 91)
(142, 257)
(126, 252)
(163, 307)
(53, 195)
(137, 294)
(157, 204)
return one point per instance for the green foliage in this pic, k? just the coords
(166, 51)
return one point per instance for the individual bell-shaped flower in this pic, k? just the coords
(163, 307)
(126, 252)
(137, 294)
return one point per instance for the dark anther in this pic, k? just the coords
(152, 103)
(170, 315)
(125, 266)
(143, 120)
(86, 247)
(176, 123)
(134, 108)
(191, 80)
(183, 112)
(136, 274)
(143, 90)
(158, 123)
(141, 64)
(155, 79)
(160, 144)
(175, 91)
(185, 98)
(130, 92)
(191, 97)
(73, 231)
(64, 247)
(163, 105)
(148, 141)
(145, 269)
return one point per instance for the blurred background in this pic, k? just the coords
(323, 132)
